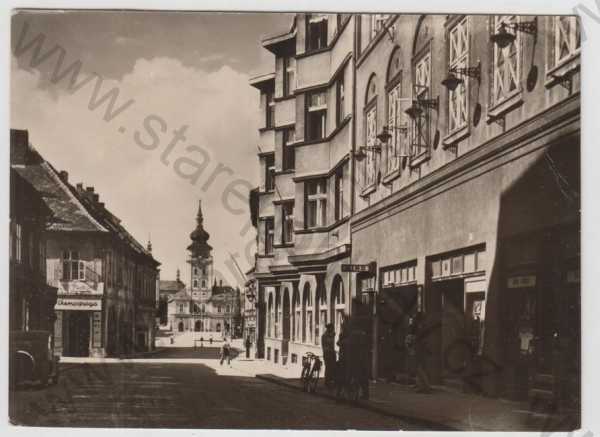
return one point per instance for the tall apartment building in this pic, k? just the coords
(304, 196)
(460, 144)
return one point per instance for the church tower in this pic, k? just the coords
(201, 261)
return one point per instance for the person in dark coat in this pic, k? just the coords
(328, 345)
(248, 346)
(419, 330)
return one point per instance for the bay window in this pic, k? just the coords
(269, 234)
(316, 203)
(270, 172)
(289, 152)
(289, 75)
(458, 100)
(316, 115)
(287, 220)
(316, 32)
(507, 62)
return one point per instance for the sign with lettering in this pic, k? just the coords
(359, 268)
(78, 304)
(521, 281)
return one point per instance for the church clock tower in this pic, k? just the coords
(201, 261)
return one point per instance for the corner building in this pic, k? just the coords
(303, 206)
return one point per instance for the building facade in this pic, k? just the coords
(465, 201)
(105, 280)
(304, 199)
(204, 307)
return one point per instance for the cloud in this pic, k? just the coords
(220, 110)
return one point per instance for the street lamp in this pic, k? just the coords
(452, 81)
(503, 38)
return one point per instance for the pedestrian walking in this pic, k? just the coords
(248, 346)
(358, 356)
(328, 345)
(226, 352)
(210, 341)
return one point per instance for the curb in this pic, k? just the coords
(431, 425)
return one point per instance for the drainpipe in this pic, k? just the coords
(352, 150)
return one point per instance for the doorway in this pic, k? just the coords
(78, 328)
(454, 345)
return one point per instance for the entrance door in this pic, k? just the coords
(78, 327)
(394, 307)
(454, 348)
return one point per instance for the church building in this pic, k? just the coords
(204, 306)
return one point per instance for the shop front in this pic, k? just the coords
(78, 327)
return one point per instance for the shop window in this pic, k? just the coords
(289, 152)
(270, 172)
(507, 62)
(289, 76)
(73, 267)
(458, 100)
(316, 203)
(269, 234)
(316, 115)
(287, 219)
(316, 32)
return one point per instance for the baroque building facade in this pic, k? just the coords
(462, 158)
(204, 306)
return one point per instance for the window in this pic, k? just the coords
(269, 233)
(227, 309)
(203, 283)
(567, 39)
(371, 140)
(397, 127)
(316, 32)
(195, 271)
(289, 153)
(376, 23)
(316, 116)
(195, 283)
(289, 75)
(180, 309)
(73, 267)
(203, 308)
(270, 111)
(316, 203)
(219, 308)
(339, 193)
(458, 99)
(340, 96)
(420, 124)
(507, 62)
(270, 172)
(288, 222)
(204, 270)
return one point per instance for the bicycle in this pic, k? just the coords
(347, 384)
(311, 367)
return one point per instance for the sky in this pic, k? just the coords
(183, 126)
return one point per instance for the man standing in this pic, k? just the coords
(328, 344)
(248, 345)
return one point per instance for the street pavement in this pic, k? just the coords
(163, 392)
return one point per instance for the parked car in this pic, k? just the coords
(32, 358)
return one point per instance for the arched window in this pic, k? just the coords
(397, 119)
(371, 130)
(195, 271)
(307, 315)
(195, 283)
(338, 304)
(297, 316)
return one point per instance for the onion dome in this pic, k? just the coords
(199, 237)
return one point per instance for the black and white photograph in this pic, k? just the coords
(315, 220)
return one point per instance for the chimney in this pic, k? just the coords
(79, 187)
(64, 176)
(96, 198)
(19, 146)
(90, 189)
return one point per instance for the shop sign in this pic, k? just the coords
(360, 268)
(521, 281)
(78, 304)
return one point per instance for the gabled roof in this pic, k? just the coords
(68, 213)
